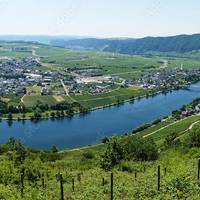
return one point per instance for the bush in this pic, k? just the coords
(141, 149)
(141, 128)
(105, 140)
(88, 155)
(113, 154)
(134, 148)
(194, 138)
(127, 167)
(171, 140)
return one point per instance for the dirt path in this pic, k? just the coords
(192, 125)
(189, 128)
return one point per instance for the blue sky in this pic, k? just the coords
(102, 18)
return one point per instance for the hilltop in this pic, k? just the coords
(147, 45)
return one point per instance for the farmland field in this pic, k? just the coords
(67, 61)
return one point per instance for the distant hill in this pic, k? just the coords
(45, 39)
(177, 44)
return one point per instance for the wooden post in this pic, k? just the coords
(158, 177)
(72, 184)
(144, 168)
(165, 171)
(22, 182)
(198, 173)
(111, 186)
(61, 187)
(43, 183)
(79, 177)
(103, 181)
(135, 175)
(193, 163)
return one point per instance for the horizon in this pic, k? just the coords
(93, 37)
(128, 19)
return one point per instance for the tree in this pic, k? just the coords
(10, 117)
(134, 148)
(113, 154)
(194, 138)
(54, 149)
(170, 140)
(140, 149)
(53, 114)
(37, 114)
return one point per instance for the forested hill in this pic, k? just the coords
(177, 44)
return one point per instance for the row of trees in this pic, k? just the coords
(58, 110)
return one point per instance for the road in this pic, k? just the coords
(66, 90)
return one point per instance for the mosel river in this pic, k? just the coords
(82, 130)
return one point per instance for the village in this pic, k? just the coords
(19, 75)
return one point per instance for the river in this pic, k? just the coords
(81, 130)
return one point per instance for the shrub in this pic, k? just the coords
(126, 167)
(134, 148)
(113, 154)
(171, 140)
(194, 138)
(88, 155)
(141, 149)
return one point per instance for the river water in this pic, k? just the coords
(82, 130)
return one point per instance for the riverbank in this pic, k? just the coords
(47, 114)
(157, 131)
(82, 130)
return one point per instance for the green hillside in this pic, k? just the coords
(147, 45)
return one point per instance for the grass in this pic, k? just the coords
(31, 100)
(12, 99)
(120, 94)
(54, 58)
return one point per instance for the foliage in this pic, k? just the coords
(194, 138)
(136, 148)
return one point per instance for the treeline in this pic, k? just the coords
(57, 110)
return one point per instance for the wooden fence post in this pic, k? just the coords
(165, 171)
(79, 177)
(22, 182)
(103, 181)
(144, 168)
(43, 183)
(72, 184)
(135, 175)
(111, 186)
(61, 187)
(158, 177)
(198, 173)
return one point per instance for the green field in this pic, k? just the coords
(112, 97)
(117, 65)
(31, 100)
(107, 63)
